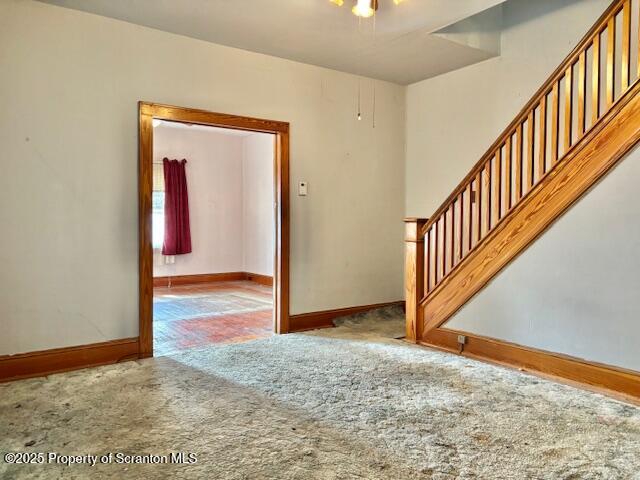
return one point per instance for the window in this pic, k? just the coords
(157, 206)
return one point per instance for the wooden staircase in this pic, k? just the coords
(575, 128)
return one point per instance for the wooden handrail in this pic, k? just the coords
(510, 168)
(586, 41)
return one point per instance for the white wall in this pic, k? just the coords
(215, 185)
(258, 220)
(575, 290)
(453, 118)
(69, 89)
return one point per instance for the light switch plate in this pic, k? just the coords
(302, 189)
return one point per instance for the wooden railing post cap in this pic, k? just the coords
(413, 229)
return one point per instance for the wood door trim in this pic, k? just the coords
(205, 117)
(603, 378)
(146, 113)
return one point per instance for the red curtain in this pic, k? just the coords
(177, 233)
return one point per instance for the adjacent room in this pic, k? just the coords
(213, 235)
(320, 239)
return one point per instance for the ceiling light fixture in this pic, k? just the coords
(364, 8)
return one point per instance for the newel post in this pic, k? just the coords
(414, 275)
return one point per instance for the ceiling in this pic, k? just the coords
(404, 49)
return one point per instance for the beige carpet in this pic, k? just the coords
(345, 403)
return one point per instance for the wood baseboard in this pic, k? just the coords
(212, 277)
(258, 278)
(324, 319)
(614, 381)
(198, 278)
(45, 362)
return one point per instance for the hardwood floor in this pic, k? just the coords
(190, 316)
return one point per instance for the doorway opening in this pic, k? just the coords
(218, 272)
